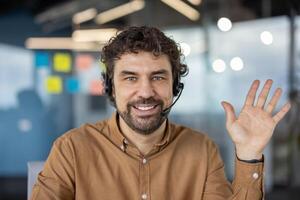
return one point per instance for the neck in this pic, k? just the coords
(143, 142)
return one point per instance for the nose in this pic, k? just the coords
(145, 89)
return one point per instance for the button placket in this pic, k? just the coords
(144, 178)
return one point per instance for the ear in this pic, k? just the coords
(113, 91)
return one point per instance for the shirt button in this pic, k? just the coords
(144, 196)
(144, 160)
(122, 147)
(255, 175)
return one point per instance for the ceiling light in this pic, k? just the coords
(219, 65)
(186, 49)
(224, 24)
(195, 2)
(183, 8)
(236, 64)
(84, 16)
(266, 37)
(94, 35)
(120, 11)
(61, 43)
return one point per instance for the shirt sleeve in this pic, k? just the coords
(56, 181)
(247, 183)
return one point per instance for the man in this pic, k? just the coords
(138, 153)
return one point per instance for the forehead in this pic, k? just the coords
(142, 62)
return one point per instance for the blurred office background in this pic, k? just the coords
(50, 73)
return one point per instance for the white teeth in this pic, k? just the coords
(144, 107)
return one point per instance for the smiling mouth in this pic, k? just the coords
(145, 107)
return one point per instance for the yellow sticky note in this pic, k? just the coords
(62, 62)
(54, 84)
(102, 67)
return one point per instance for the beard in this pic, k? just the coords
(143, 125)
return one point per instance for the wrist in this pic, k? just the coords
(248, 154)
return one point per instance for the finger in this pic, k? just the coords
(252, 93)
(272, 104)
(264, 93)
(230, 114)
(282, 112)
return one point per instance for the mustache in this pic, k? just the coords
(150, 100)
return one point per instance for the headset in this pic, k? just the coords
(177, 90)
(177, 85)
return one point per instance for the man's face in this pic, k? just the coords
(142, 89)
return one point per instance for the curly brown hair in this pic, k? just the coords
(134, 39)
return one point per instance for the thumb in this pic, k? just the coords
(229, 111)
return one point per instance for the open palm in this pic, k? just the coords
(253, 128)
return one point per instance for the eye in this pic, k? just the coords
(131, 78)
(157, 78)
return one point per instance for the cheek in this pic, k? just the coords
(166, 94)
(122, 96)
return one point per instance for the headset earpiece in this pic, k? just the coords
(177, 87)
(108, 85)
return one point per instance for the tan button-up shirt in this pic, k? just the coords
(96, 162)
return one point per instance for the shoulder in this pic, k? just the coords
(86, 133)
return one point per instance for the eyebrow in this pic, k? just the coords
(162, 71)
(125, 72)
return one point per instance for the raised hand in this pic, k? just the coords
(253, 128)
